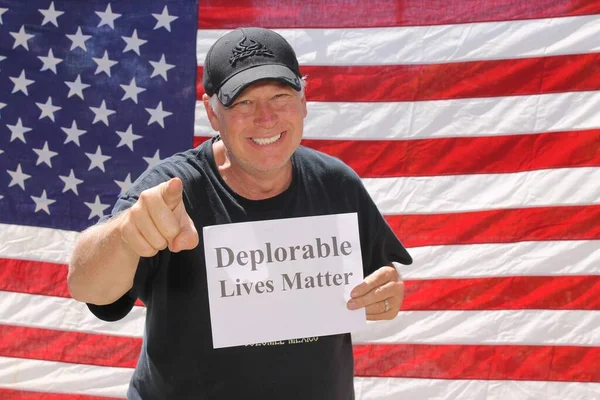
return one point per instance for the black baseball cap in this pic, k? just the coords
(245, 56)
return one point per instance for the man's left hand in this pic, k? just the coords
(381, 293)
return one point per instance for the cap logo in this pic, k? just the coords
(248, 48)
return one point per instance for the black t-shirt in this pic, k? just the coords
(177, 360)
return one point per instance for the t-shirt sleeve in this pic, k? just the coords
(380, 245)
(146, 266)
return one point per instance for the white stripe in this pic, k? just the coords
(525, 327)
(500, 327)
(35, 243)
(543, 258)
(435, 44)
(58, 377)
(448, 389)
(444, 118)
(460, 193)
(64, 314)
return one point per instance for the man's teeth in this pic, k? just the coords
(263, 141)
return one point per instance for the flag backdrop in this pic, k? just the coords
(475, 125)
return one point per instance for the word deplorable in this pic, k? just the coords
(319, 249)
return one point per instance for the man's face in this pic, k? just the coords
(263, 127)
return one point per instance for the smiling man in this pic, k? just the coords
(254, 170)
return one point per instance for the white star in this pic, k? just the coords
(2, 105)
(131, 91)
(104, 64)
(2, 11)
(161, 67)
(158, 115)
(71, 182)
(97, 159)
(18, 131)
(50, 62)
(2, 58)
(76, 87)
(125, 185)
(18, 177)
(50, 15)
(152, 161)
(133, 42)
(73, 133)
(21, 83)
(21, 38)
(45, 155)
(78, 40)
(42, 202)
(164, 20)
(127, 138)
(96, 208)
(102, 113)
(107, 17)
(48, 109)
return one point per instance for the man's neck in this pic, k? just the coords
(251, 184)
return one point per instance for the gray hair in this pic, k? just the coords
(214, 101)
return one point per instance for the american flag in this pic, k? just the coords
(474, 124)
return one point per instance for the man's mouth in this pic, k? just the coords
(269, 140)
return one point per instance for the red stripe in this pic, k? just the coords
(528, 76)
(499, 293)
(462, 155)
(221, 14)
(69, 347)
(495, 362)
(558, 363)
(506, 293)
(35, 277)
(9, 394)
(498, 226)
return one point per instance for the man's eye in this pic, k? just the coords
(242, 102)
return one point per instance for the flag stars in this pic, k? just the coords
(18, 131)
(102, 113)
(97, 159)
(73, 133)
(71, 182)
(133, 43)
(45, 155)
(132, 91)
(127, 138)
(21, 83)
(18, 177)
(125, 185)
(2, 11)
(50, 62)
(2, 58)
(154, 160)
(51, 15)
(76, 87)
(21, 38)
(107, 17)
(164, 20)
(96, 208)
(104, 64)
(78, 40)
(160, 68)
(158, 115)
(42, 202)
(48, 109)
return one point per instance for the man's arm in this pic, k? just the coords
(105, 257)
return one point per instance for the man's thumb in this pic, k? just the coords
(172, 192)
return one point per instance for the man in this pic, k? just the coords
(150, 248)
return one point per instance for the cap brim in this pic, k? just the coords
(234, 86)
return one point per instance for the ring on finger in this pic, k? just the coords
(386, 302)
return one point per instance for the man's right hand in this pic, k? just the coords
(159, 220)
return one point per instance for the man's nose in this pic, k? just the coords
(264, 115)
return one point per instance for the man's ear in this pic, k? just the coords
(304, 108)
(210, 113)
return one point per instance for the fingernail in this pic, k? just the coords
(352, 305)
(353, 293)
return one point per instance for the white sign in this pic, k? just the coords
(282, 279)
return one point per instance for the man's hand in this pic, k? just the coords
(381, 293)
(159, 220)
